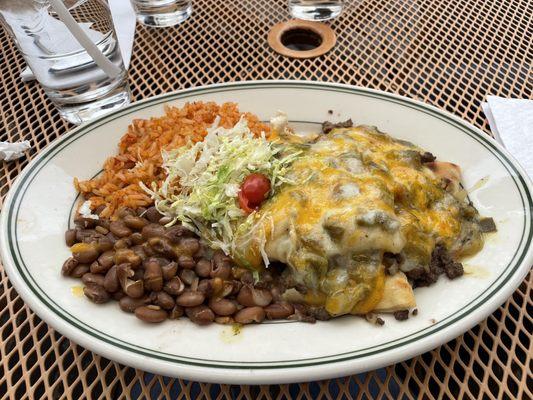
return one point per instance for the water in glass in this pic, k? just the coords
(162, 13)
(315, 10)
(79, 88)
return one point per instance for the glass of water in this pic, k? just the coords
(80, 87)
(162, 13)
(315, 10)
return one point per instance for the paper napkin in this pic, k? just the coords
(511, 122)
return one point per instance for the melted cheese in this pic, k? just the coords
(358, 194)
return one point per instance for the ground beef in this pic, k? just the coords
(401, 315)
(379, 321)
(441, 263)
(301, 313)
(392, 262)
(327, 126)
(427, 157)
(454, 270)
(422, 277)
(319, 313)
(415, 311)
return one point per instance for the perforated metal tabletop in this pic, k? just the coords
(447, 53)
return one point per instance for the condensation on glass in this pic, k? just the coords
(79, 88)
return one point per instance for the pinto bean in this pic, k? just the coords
(188, 246)
(129, 304)
(119, 229)
(205, 287)
(203, 268)
(279, 310)
(153, 276)
(134, 222)
(137, 238)
(187, 276)
(148, 249)
(127, 256)
(85, 253)
(164, 300)
(190, 299)
(104, 244)
(139, 250)
(96, 293)
(224, 320)
(249, 296)
(103, 223)
(152, 214)
(111, 283)
(249, 315)
(151, 314)
(221, 270)
(68, 266)
(106, 259)
(101, 229)
(93, 278)
(70, 237)
(176, 232)
(223, 307)
(218, 286)
(186, 262)
(174, 286)
(152, 230)
(124, 212)
(201, 315)
(176, 312)
(162, 246)
(134, 289)
(122, 243)
(169, 270)
(79, 270)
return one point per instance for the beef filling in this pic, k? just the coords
(392, 262)
(401, 315)
(327, 126)
(427, 157)
(441, 263)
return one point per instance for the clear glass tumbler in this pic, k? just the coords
(71, 78)
(315, 10)
(162, 13)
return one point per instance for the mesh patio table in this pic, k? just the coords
(451, 54)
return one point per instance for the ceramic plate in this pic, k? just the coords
(39, 207)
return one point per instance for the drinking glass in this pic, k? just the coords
(162, 13)
(80, 87)
(315, 10)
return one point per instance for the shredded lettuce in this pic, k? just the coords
(203, 180)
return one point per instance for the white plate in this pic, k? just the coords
(37, 210)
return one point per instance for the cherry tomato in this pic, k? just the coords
(244, 204)
(254, 190)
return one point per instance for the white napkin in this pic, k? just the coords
(124, 21)
(12, 151)
(511, 122)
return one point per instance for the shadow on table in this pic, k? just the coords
(311, 390)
